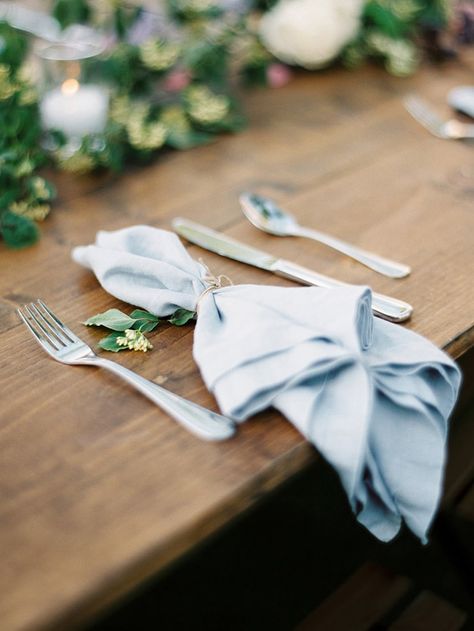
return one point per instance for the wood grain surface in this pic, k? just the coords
(99, 489)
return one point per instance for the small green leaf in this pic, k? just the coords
(112, 319)
(141, 314)
(109, 343)
(145, 326)
(144, 321)
(181, 316)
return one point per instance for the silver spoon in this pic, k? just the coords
(264, 214)
(461, 99)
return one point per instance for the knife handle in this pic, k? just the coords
(384, 307)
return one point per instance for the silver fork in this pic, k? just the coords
(450, 129)
(66, 347)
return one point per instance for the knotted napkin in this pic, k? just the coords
(372, 396)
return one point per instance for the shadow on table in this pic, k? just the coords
(302, 551)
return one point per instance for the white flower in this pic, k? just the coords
(310, 33)
(134, 340)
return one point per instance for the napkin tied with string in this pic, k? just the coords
(373, 397)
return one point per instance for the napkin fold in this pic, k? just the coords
(373, 397)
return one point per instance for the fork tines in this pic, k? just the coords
(45, 326)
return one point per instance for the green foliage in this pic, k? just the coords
(208, 61)
(434, 13)
(13, 47)
(181, 316)
(170, 87)
(69, 12)
(390, 30)
(265, 5)
(17, 231)
(128, 331)
(112, 319)
(255, 73)
(150, 108)
(381, 16)
(124, 17)
(116, 320)
(186, 11)
(24, 196)
(144, 321)
(123, 69)
(109, 343)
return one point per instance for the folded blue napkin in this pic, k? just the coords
(373, 397)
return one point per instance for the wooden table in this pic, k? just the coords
(99, 489)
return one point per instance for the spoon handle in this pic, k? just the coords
(383, 306)
(375, 262)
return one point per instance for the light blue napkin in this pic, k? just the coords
(373, 397)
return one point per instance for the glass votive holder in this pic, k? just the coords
(69, 102)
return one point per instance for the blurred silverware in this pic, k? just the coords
(451, 129)
(461, 99)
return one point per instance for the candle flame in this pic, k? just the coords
(70, 86)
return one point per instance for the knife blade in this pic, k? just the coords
(383, 306)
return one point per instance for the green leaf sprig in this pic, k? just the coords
(128, 331)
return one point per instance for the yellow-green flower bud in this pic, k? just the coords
(206, 107)
(135, 340)
(158, 55)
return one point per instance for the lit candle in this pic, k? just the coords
(75, 109)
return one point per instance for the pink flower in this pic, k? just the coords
(278, 75)
(177, 80)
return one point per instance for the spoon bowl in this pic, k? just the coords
(266, 215)
(461, 99)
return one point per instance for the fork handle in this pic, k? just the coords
(200, 421)
(369, 259)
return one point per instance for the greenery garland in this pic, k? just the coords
(24, 195)
(392, 33)
(173, 90)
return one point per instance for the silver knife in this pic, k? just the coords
(382, 306)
